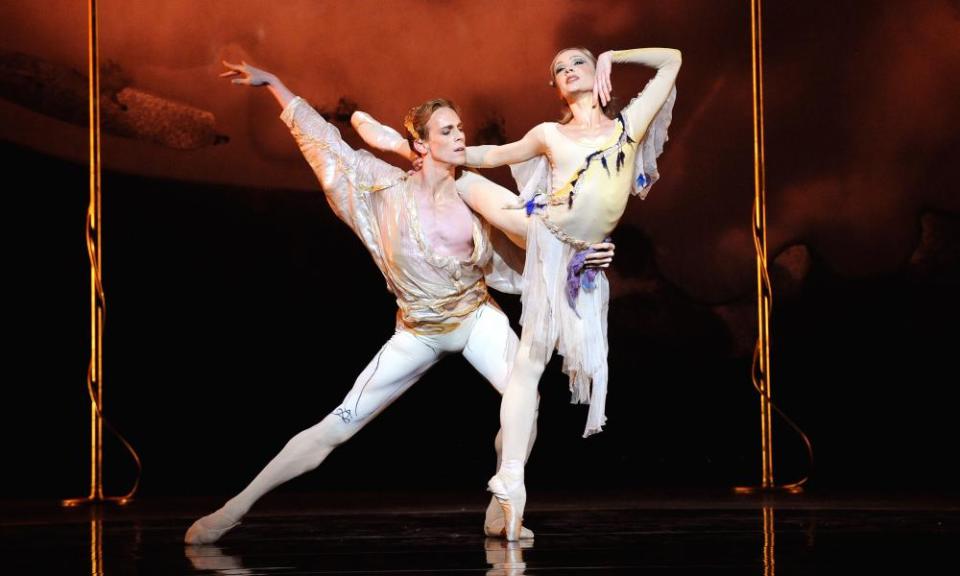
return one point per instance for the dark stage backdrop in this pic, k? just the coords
(240, 310)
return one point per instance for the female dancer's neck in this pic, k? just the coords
(586, 110)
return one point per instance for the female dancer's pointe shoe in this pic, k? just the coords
(494, 526)
(512, 498)
(210, 528)
(497, 529)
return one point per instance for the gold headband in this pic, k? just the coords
(408, 124)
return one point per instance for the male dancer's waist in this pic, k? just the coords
(441, 315)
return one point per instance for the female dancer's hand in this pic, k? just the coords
(417, 161)
(244, 73)
(601, 257)
(601, 82)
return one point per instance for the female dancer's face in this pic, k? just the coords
(573, 71)
(445, 138)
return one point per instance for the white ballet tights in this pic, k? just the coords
(484, 338)
(518, 416)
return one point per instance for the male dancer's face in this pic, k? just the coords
(446, 142)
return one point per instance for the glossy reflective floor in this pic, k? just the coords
(400, 534)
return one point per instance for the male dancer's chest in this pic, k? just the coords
(447, 225)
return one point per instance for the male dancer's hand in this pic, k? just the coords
(602, 255)
(244, 73)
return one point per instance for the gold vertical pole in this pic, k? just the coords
(96, 301)
(97, 298)
(761, 367)
(760, 233)
(94, 252)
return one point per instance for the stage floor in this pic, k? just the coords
(405, 533)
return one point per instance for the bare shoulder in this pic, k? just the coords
(540, 129)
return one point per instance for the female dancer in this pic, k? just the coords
(574, 186)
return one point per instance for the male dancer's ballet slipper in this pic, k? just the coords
(210, 528)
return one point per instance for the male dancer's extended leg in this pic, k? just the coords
(398, 364)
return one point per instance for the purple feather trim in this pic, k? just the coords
(579, 276)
